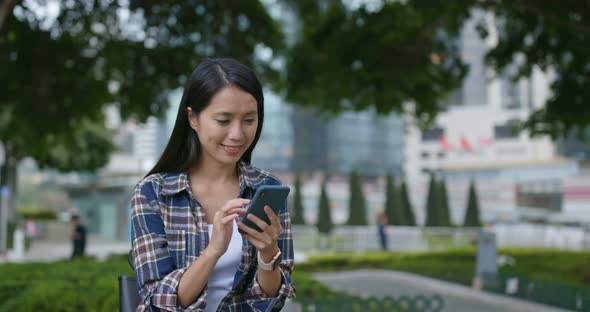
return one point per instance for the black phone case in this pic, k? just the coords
(266, 195)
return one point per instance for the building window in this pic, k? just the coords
(510, 95)
(506, 131)
(426, 170)
(541, 194)
(432, 134)
(424, 155)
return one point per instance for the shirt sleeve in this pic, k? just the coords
(156, 271)
(287, 289)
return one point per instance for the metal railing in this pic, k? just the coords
(550, 293)
(418, 303)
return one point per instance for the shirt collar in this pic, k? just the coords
(175, 183)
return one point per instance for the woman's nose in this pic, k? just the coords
(236, 132)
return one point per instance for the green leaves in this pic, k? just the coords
(57, 79)
(380, 57)
(357, 59)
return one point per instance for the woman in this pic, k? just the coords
(188, 253)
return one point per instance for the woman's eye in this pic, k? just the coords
(250, 120)
(222, 122)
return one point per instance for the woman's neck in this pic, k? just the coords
(213, 173)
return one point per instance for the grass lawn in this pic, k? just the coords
(459, 265)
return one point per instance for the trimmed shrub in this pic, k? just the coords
(298, 215)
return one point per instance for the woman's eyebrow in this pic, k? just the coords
(228, 114)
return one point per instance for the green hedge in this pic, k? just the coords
(79, 285)
(551, 265)
(458, 265)
(455, 266)
(29, 213)
(88, 285)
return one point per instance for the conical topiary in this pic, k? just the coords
(393, 204)
(408, 210)
(472, 214)
(324, 223)
(357, 214)
(298, 217)
(432, 212)
(445, 215)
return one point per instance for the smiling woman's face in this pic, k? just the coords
(226, 127)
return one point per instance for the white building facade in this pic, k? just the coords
(474, 139)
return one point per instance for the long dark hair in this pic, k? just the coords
(210, 76)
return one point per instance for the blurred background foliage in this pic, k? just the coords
(58, 75)
(60, 72)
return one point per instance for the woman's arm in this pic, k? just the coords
(195, 278)
(267, 242)
(270, 281)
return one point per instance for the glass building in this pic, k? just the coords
(297, 139)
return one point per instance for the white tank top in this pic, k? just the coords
(221, 279)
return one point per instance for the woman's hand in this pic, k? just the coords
(265, 241)
(222, 225)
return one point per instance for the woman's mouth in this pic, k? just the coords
(232, 149)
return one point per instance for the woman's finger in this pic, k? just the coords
(261, 236)
(249, 230)
(272, 216)
(239, 211)
(257, 243)
(235, 203)
(228, 219)
(259, 222)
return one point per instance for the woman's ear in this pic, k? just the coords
(192, 118)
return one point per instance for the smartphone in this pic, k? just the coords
(273, 196)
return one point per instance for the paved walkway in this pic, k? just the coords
(48, 251)
(458, 298)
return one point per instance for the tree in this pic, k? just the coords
(357, 204)
(324, 223)
(383, 56)
(551, 36)
(445, 216)
(432, 204)
(298, 217)
(58, 76)
(393, 204)
(351, 59)
(408, 210)
(472, 212)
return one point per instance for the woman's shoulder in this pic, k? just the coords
(158, 181)
(259, 176)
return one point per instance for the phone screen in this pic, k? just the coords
(273, 196)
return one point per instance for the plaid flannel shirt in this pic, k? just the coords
(169, 232)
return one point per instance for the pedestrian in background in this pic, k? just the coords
(381, 228)
(78, 237)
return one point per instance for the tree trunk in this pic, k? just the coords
(6, 7)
